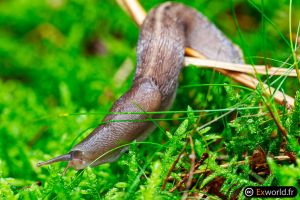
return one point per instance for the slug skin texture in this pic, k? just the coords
(167, 30)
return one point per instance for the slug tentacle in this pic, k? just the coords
(65, 157)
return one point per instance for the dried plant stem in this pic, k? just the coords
(173, 166)
(260, 69)
(135, 10)
(185, 177)
(277, 158)
(192, 169)
(252, 82)
(291, 42)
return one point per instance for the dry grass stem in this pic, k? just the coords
(173, 167)
(243, 162)
(192, 169)
(136, 11)
(244, 68)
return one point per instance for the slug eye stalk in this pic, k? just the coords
(65, 157)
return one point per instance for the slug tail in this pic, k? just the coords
(65, 157)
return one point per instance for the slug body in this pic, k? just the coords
(167, 30)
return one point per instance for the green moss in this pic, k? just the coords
(57, 63)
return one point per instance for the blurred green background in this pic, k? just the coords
(59, 58)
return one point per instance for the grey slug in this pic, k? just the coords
(167, 30)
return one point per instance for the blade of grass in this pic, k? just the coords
(291, 42)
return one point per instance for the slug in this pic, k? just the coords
(167, 30)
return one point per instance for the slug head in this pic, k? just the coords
(75, 158)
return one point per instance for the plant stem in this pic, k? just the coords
(291, 43)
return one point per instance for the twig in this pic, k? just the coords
(201, 161)
(252, 82)
(260, 69)
(172, 167)
(179, 183)
(135, 10)
(192, 169)
(277, 158)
